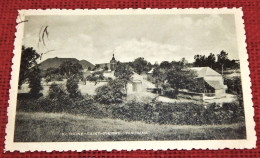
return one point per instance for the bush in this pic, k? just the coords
(113, 92)
(35, 82)
(179, 113)
(57, 100)
(72, 88)
(134, 111)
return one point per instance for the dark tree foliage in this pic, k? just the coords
(200, 61)
(34, 79)
(124, 73)
(179, 113)
(69, 69)
(222, 63)
(181, 79)
(222, 60)
(28, 60)
(96, 77)
(57, 99)
(211, 60)
(165, 65)
(174, 76)
(113, 92)
(141, 65)
(72, 88)
(234, 85)
(53, 74)
(56, 91)
(159, 76)
(106, 68)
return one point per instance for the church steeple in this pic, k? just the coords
(113, 63)
(113, 58)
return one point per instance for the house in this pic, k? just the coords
(211, 83)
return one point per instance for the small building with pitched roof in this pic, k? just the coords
(212, 82)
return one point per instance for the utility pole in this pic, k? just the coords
(222, 69)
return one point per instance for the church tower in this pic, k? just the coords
(113, 63)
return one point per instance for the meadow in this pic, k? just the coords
(64, 127)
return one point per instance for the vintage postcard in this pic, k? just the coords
(130, 79)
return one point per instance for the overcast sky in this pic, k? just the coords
(154, 37)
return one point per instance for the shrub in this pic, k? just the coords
(72, 88)
(134, 111)
(57, 100)
(35, 82)
(113, 92)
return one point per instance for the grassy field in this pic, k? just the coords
(62, 127)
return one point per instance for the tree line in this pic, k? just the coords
(219, 62)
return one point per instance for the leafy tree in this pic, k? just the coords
(52, 74)
(35, 82)
(223, 59)
(96, 67)
(181, 79)
(211, 60)
(124, 73)
(165, 65)
(58, 99)
(141, 65)
(106, 67)
(69, 69)
(56, 91)
(28, 60)
(197, 60)
(159, 76)
(200, 60)
(113, 92)
(72, 88)
(96, 77)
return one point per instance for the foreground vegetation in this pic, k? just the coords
(178, 113)
(63, 127)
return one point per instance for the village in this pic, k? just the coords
(143, 85)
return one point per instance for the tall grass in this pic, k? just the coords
(63, 127)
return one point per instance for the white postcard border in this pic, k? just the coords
(248, 143)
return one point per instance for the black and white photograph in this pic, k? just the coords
(130, 77)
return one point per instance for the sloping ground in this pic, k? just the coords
(61, 127)
(85, 64)
(90, 87)
(55, 62)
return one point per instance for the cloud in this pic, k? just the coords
(155, 37)
(150, 50)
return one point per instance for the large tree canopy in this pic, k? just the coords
(69, 69)
(28, 60)
(141, 65)
(124, 73)
(181, 79)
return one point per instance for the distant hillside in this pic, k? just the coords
(85, 64)
(56, 62)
